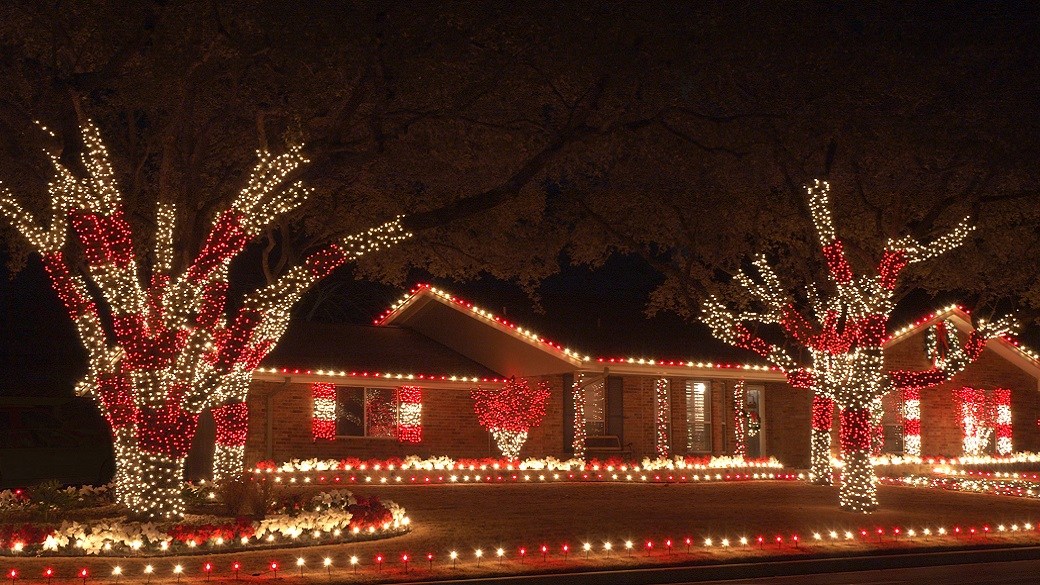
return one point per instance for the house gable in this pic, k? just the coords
(1007, 349)
(481, 336)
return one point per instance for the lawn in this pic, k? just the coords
(467, 517)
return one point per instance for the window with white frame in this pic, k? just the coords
(698, 417)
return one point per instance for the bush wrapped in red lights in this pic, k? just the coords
(510, 412)
(172, 350)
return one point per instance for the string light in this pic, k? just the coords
(740, 419)
(578, 393)
(662, 412)
(845, 345)
(323, 418)
(172, 353)
(409, 414)
(510, 412)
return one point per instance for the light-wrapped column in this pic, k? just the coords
(740, 419)
(578, 442)
(662, 413)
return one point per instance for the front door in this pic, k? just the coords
(754, 422)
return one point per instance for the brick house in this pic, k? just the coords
(445, 346)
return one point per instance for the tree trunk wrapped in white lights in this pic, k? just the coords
(173, 350)
(847, 363)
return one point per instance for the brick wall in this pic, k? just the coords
(449, 424)
(941, 432)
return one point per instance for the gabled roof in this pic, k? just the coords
(1008, 348)
(480, 335)
(514, 350)
(325, 349)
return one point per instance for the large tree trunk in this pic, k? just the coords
(858, 492)
(232, 422)
(161, 496)
(127, 479)
(820, 441)
(164, 435)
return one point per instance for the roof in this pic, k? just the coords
(479, 334)
(468, 328)
(1006, 347)
(368, 349)
(454, 341)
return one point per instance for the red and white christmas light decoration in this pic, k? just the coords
(845, 339)
(984, 416)
(409, 414)
(323, 417)
(232, 425)
(172, 351)
(510, 412)
(1002, 406)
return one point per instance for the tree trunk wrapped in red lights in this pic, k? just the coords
(844, 341)
(173, 351)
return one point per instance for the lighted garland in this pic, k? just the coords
(845, 338)
(578, 394)
(510, 412)
(172, 351)
(661, 409)
(740, 419)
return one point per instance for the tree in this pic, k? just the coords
(510, 412)
(845, 338)
(172, 351)
(403, 108)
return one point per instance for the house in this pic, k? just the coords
(401, 386)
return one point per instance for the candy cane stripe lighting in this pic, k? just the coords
(844, 340)
(173, 352)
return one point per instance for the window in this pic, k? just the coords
(892, 441)
(366, 412)
(698, 417)
(595, 410)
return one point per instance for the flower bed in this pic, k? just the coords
(998, 487)
(416, 470)
(324, 518)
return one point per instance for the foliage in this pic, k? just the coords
(515, 407)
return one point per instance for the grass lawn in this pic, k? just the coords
(467, 517)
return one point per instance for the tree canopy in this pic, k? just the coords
(679, 132)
